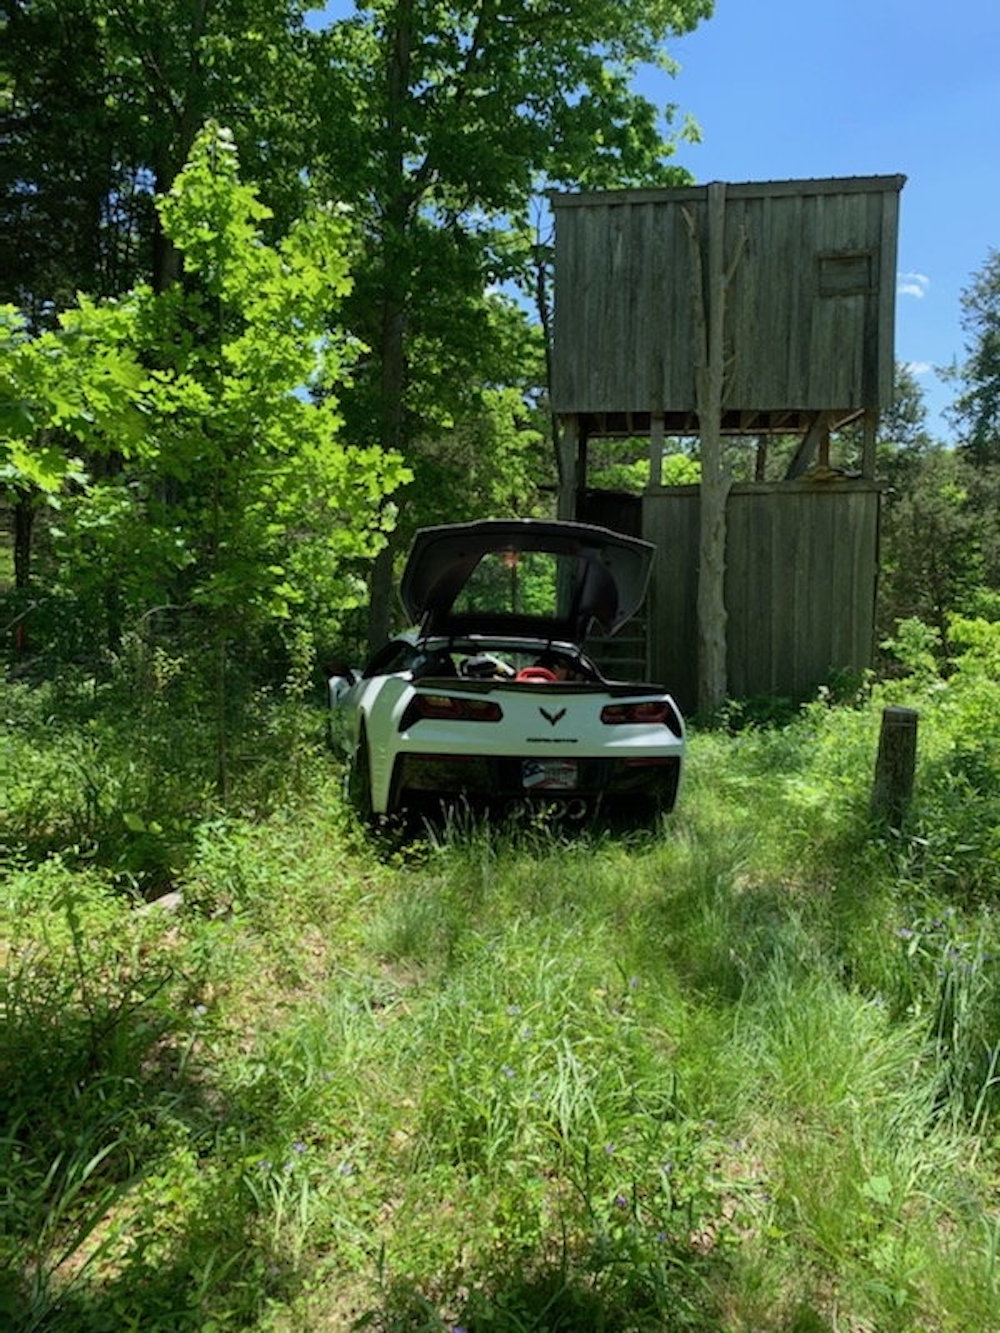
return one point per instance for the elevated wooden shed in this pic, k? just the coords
(795, 280)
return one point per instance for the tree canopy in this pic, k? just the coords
(442, 123)
(233, 496)
(249, 357)
(977, 410)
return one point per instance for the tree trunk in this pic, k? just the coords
(560, 451)
(391, 348)
(24, 522)
(709, 309)
(392, 389)
(712, 638)
(380, 597)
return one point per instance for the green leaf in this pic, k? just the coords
(878, 1189)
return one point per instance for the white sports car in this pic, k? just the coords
(490, 700)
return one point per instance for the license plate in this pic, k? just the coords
(549, 774)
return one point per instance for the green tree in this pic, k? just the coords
(69, 202)
(976, 412)
(100, 103)
(250, 471)
(441, 122)
(935, 543)
(71, 386)
(932, 561)
(237, 504)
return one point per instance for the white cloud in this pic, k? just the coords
(919, 367)
(913, 284)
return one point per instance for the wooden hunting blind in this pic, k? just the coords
(795, 283)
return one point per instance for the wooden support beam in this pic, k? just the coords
(568, 456)
(582, 444)
(760, 461)
(869, 436)
(817, 435)
(656, 436)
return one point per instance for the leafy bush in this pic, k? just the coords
(122, 770)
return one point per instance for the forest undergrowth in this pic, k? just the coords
(261, 1071)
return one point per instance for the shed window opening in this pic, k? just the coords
(846, 273)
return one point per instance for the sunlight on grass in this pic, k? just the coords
(735, 1073)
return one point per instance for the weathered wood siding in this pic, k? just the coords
(801, 568)
(810, 308)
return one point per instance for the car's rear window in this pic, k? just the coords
(520, 583)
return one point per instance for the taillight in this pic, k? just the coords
(651, 711)
(449, 708)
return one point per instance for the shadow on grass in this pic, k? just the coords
(722, 938)
(609, 1295)
(99, 1098)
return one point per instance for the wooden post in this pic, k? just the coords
(582, 469)
(760, 461)
(656, 433)
(709, 284)
(569, 440)
(869, 438)
(895, 766)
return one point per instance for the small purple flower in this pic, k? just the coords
(508, 1072)
(621, 1201)
(633, 983)
(513, 1010)
(609, 1148)
(298, 1147)
(345, 1169)
(905, 933)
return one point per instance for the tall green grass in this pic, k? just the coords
(735, 1073)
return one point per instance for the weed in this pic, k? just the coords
(739, 1073)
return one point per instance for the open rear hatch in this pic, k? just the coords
(524, 577)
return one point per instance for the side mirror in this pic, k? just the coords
(337, 687)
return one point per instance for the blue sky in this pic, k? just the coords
(799, 88)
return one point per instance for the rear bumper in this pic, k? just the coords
(651, 783)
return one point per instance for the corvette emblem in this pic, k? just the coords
(552, 718)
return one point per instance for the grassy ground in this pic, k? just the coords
(735, 1074)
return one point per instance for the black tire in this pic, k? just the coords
(359, 779)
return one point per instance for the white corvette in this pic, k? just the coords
(490, 700)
